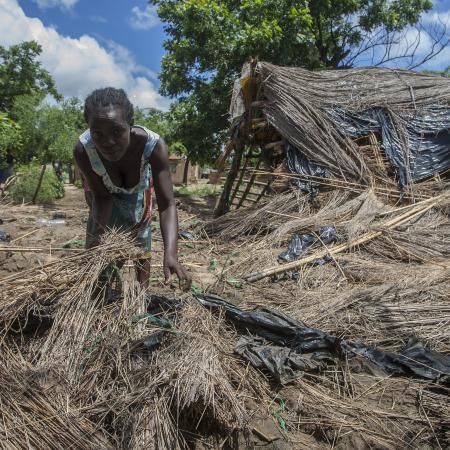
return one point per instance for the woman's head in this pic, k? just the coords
(109, 114)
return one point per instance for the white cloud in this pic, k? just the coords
(81, 65)
(143, 19)
(63, 4)
(430, 36)
(434, 28)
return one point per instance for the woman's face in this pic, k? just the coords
(110, 132)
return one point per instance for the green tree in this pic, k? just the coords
(154, 119)
(10, 138)
(26, 113)
(209, 40)
(60, 126)
(22, 74)
(195, 130)
(49, 132)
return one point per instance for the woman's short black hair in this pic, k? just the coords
(101, 98)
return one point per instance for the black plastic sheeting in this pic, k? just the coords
(298, 245)
(427, 137)
(300, 164)
(147, 344)
(294, 348)
(162, 308)
(301, 242)
(4, 236)
(187, 235)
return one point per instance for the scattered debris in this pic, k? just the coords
(50, 222)
(4, 236)
(184, 234)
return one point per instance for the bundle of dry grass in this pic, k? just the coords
(35, 413)
(382, 291)
(257, 220)
(61, 283)
(357, 406)
(133, 396)
(204, 389)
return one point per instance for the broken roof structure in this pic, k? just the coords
(319, 121)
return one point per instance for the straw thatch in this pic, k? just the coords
(86, 368)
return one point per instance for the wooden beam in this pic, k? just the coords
(241, 176)
(272, 145)
(250, 183)
(258, 183)
(258, 104)
(223, 205)
(263, 192)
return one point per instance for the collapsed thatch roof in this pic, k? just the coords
(318, 113)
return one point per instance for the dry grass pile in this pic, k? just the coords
(96, 373)
(140, 372)
(382, 290)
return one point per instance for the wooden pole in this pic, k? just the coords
(38, 187)
(249, 184)
(241, 176)
(224, 202)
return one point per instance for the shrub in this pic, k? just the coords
(25, 185)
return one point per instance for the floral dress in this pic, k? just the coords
(132, 208)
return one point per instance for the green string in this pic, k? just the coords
(277, 414)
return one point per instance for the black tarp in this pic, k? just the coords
(301, 242)
(293, 347)
(426, 137)
(300, 164)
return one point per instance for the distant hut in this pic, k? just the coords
(177, 167)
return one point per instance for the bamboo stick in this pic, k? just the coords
(25, 235)
(416, 210)
(39, 249)
(259, 183)
(336, 183)
(273, 145)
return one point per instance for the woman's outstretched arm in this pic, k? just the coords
(168, 216)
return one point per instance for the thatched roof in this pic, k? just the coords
(318, 112)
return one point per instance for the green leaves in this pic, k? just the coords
(10, 138)
(48, 132)
(22, 74)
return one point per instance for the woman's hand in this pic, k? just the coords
(172, 265)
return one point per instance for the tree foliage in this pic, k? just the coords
(24, 187)
(22, 74)
(209, 40)
(154, 119)
(10, 138)
(61, 125)
(195, 130)
(48, 131)
(164, 124)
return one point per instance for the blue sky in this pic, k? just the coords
(132, 24)
(92, 43)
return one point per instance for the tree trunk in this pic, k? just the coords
(38, 187)
(186, 172)
(71, 173)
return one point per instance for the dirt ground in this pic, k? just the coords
(39, 244)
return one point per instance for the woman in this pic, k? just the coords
(119, 161)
